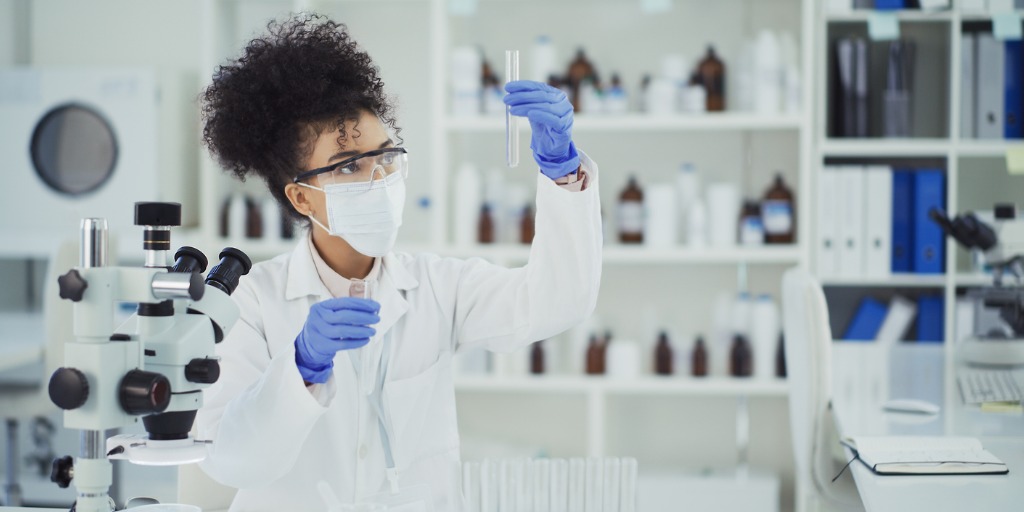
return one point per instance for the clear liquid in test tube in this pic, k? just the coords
(511, 122)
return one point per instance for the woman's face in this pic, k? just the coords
(365, 134)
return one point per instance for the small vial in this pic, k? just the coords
(511, 122)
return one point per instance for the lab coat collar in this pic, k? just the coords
(303, 279)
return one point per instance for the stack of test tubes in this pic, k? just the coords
(550, 485)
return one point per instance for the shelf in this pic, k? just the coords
(726, 121)
(983, 16)
(886, 147)
(758, 255)
(625, 255)
(646, 385)
(992, 148)
(974, 279)
(910, 15)
(893, 281)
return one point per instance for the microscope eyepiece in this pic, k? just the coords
(233, 265)
(157, 214)
(189, 259)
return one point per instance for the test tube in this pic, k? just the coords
(511, 122)
(594, 498)
(577, 484)
(627, 493)
(611, 486)
(542, 486)
(471, 487)
(559, 485)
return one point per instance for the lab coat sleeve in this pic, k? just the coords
(259, 413)
(504, 309)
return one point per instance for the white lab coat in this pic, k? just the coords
(274, 439)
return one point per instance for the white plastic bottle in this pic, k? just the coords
(271, 216)
(764, 335)
(768, 76)
(723, 214)
(238, 212)
(697, 225)
(687, 192)
(465, 77)
(791, 79)
(543, 60)
(468, 198)
(660, 226)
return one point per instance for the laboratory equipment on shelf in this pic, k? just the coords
(511, 122)
(154, 366)
(1001, 244)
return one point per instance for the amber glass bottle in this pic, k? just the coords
(740, 357)
(779, 212)
(594, 361)
(712, 75)
(663, 356)
(780, 358)
(580, 69)
(485, 226)
(631, 213)
(537, 358)
(526, 226)
(699, 359)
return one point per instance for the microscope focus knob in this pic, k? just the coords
(202, 371)
(62, 471)
(69, 389)
(72, 286)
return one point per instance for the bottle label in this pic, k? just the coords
(752, 231)
(778, 217)
(631, 217)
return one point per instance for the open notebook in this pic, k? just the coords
(925, 455)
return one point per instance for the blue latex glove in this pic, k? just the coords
(550, 115)
(333, 325)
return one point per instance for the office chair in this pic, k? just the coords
(196, 488)
(30, 401)
(809, 368)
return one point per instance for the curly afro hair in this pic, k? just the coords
(264, 111)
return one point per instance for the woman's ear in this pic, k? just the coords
(299, 197)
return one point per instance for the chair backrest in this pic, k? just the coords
(809, 369)
(195, 487)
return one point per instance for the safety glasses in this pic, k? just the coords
(361, 171)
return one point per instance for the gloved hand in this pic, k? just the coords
(333, 325)
(550, 115)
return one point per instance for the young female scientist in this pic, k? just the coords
(322, 389)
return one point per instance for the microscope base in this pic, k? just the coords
(140, 449)
(1003, 352)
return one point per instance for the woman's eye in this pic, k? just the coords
(388, 159)
(347, 170)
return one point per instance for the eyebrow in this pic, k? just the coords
(346, 154)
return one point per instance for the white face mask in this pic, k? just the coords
(367, 219)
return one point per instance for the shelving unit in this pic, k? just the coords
(667, 284)
(966, 161)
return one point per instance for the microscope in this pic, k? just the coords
(998, 243)
(154, 366)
